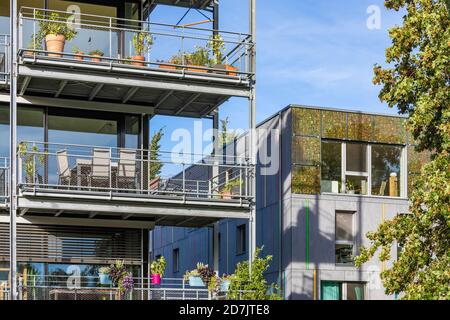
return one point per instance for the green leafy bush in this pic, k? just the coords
(252, 286)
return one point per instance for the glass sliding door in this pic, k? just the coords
(82, 131)
(84, 14)
(4, 131)
(132, 130)
(78, 136)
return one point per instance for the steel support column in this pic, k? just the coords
(216, 153)
(252, 130)
(12, 151)
(215, 173)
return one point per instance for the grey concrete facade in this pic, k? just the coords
(303, 248)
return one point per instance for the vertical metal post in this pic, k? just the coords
(12, 151)
(252, 129)
(110, 40)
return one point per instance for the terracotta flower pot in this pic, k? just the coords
(193, 68)
(141, 60)
(161, 66)
(96, 58)
(231, 68)
(79, 56)
(226, 67)
(55, 43)
(227, 195)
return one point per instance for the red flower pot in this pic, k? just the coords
(156, 279)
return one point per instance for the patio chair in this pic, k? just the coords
(64, 174)
(126, 171)
(101, 168)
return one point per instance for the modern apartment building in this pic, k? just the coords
(340, 174)
(84, 192)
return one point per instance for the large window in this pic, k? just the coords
(331, 290)
(4, 131)
(84, 131)
(356, 172)
(331, 167)
(344, 246)
(358, 168)
(386, 170)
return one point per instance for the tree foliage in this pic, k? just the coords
(226, 136)
(246, 285)
(155, 148)
(417, 82)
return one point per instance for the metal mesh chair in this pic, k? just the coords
(99, 176)
(126, 171)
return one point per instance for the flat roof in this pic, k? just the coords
(300, 106)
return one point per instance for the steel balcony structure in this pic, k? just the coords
(52, 185)
(63, 183)
(159, 86)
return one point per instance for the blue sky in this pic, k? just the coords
(313, 52)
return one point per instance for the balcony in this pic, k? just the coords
(73, 181)
(72, 287)
(176, 77)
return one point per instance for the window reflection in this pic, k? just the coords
(356, 157)
(386, 170)
(331, 167)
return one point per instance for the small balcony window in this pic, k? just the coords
(176, 260)
(241, 239)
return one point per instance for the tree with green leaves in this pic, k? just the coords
(417, 82)
(226, 136)
(251, 284)
(155, 156)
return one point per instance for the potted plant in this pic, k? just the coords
(200, 276)
(229, 188)
(217, 46)
(78, 53)
(349, 187)
(225, 282)
(198, 58)
(103, 274)
(172, 63)
(96, 55)
(194, 279)
(56, 31)
(157, 269)
(31, 160)
(142, 42)
(121, 278)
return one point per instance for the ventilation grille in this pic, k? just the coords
(72, 244)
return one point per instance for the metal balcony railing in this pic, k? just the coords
(132, 173)
(4, 178)
(70, 287)
(170, 53)
(4, 60)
